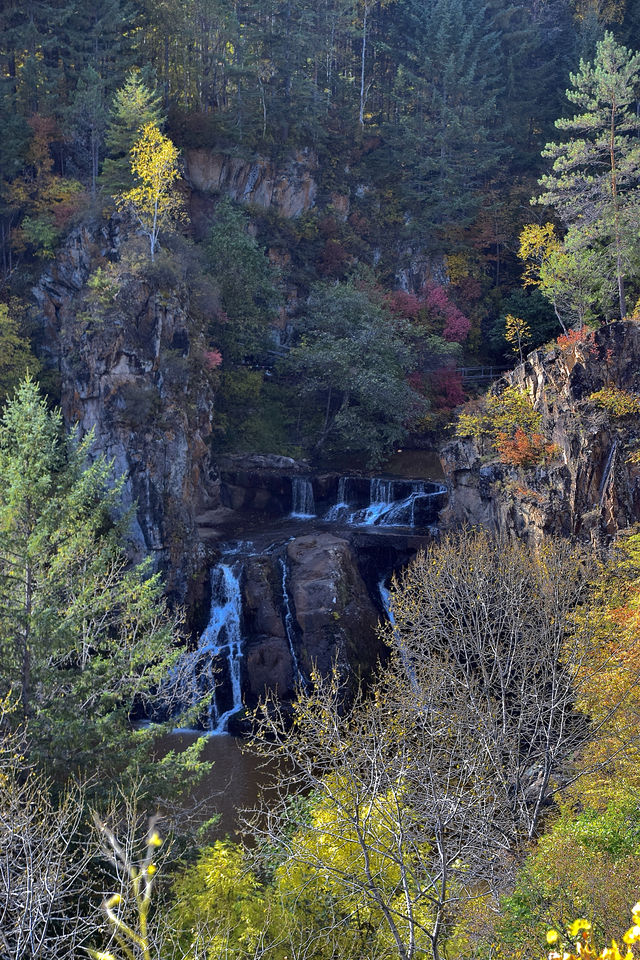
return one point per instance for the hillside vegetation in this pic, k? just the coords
(289, 228)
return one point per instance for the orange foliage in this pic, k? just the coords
(523, 450)
(574, 337)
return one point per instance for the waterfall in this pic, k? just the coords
(385, 594)
(213, 669)
(606, 475)
(288, 621)
(302, 503)
(392, 503)
(340, 509)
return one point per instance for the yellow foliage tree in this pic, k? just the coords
(583, 946)
(613, 702)
(517, 333)
(604, 11)
(537, 243)
(153, 201)
(568, 275)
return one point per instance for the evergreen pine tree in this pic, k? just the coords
(596, 171)
(85, 639)
(134, 106)
(447, 85)
(87, 121)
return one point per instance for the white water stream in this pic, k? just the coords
(386, 508)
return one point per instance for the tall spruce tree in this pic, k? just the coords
(85, 638)
(596, 171)
(134, 106)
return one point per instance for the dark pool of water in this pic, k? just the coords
(235, 781)
(415, 464)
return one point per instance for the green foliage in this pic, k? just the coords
(587, 866)
(535, 310)
(446, 85)
(85, 638)
(103, 285)
(86, 118)
(499, 413)
(256, 414)
(617, 402)
(312, 891)
(221, 902)
(16, 357)
(351, 361)
(246, 282)
(597, 170)
(134, 106)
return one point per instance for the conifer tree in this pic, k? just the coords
(87, 120)
(134, 106)
(447, 84)
(85, 639)
(596, 171)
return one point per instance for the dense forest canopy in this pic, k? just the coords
(445, 105)
(471, 175)
(423, 126)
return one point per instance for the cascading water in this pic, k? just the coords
(213, 669)
(606, 475)
(392, 503)
(385, 596)
(340, 510)
(302, 503)
(288, 621)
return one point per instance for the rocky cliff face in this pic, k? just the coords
(290, 188)
(591, 490)
(306, 606)
(130, 368)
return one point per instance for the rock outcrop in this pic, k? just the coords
(590, 490)
(130, 369)
(306, 607)
(290, 187)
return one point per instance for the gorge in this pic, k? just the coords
(301, 591)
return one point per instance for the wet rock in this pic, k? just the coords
(332, 617)
(333, 610)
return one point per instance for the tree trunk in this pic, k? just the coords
(362, 62)
(25, 665)
(616, 213)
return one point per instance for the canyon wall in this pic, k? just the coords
(130, 370)
(591, 489)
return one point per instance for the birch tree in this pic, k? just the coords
(153, 201)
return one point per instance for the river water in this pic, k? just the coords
(235, 781)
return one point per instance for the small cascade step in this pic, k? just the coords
(302, 501)
(392, 503)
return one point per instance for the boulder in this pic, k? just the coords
(333, 610)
